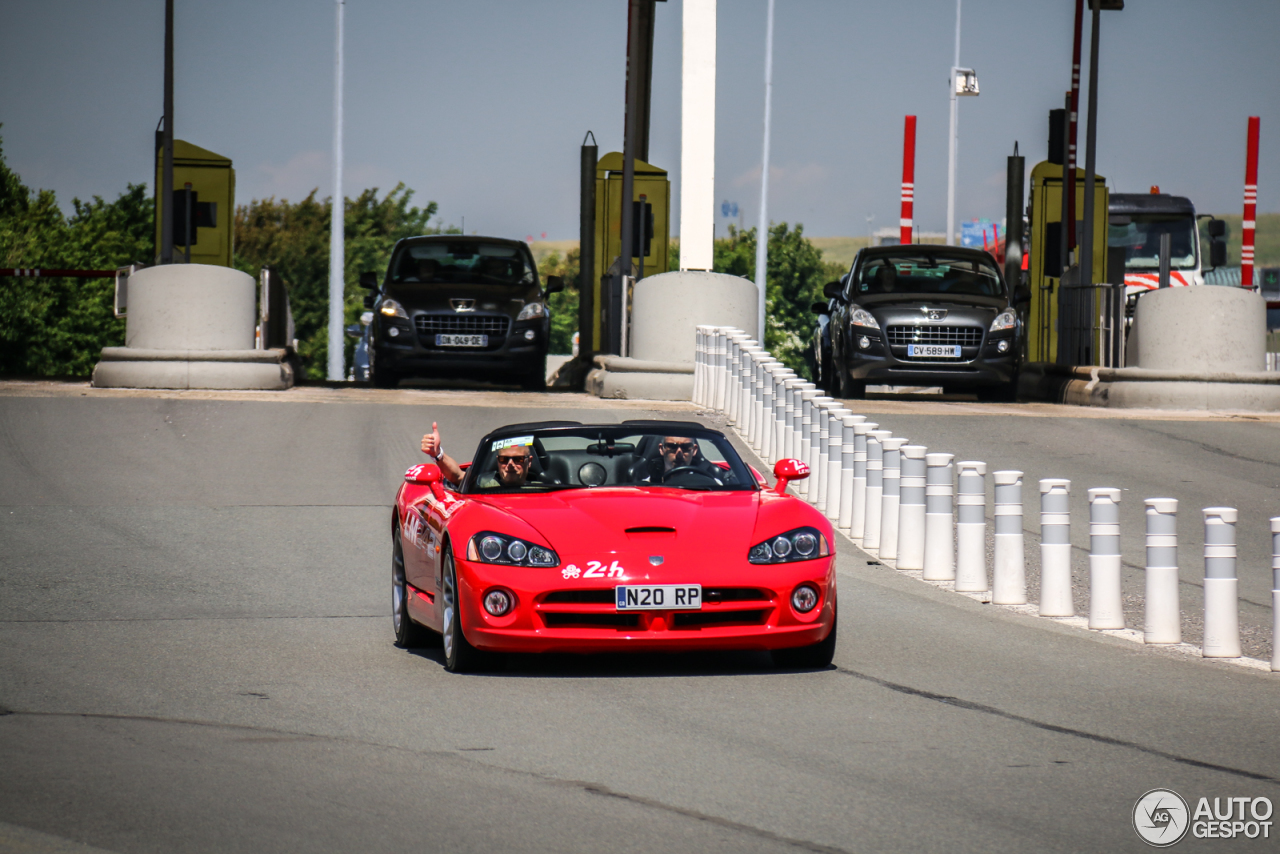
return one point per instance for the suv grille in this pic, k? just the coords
(463, 324)
(965, 336)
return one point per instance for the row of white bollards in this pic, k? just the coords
(901, 503)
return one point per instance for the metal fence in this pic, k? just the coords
(1091, 325)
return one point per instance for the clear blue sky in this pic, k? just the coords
(481, 105)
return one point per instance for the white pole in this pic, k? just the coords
(762, 232)
(698, 135)
(951, 150)
(337, 256)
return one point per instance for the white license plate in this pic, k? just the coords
(462, 340)
(934, 351)
(659, 597)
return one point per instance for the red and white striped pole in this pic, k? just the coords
(908, 180)
(1250, 205)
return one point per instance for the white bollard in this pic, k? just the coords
(731, 391)
(820, 442)
(939, 522)
(1009, 573)
(751, 399)
(875, 489)
(1163, 618)
(1275, 593)
(858, 521)
(719, 355)
(1221, 594)
(1055, 548)
(697, 366)
(889, 497)
(1106, 604)
(835, 444)
(911, 507)
(780, 377)
(791, 402)
(848, 443)
(805, 439)
(971, 527)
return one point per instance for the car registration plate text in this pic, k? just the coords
(462, 340)
(659, 597)
(934, 351)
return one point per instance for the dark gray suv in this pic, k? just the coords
(454, 306)
(923, 315)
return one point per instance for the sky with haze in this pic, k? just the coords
(481, 105)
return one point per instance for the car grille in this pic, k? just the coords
(965, 336)
(590, 621)
(580, 597)
(463, 324)
(699, 619)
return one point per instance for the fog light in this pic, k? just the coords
(864, 342)
(1002, 346)
(529, 335)
(498, 602)
(804, 598)
(393, 332)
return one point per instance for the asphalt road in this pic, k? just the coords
(196, 655)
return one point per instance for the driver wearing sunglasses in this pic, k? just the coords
(678, 455)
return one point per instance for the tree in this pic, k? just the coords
(294, 240)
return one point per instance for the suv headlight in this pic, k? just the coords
(799, 544)
(532, 310)
(391, 308)
(862, 317)
(488, 547)
(1006, 319)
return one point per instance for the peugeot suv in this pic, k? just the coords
(923, 315)
(455, 306)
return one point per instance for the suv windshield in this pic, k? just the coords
(462, 261)
(1139, 237)
(927, 274)
(590, 457)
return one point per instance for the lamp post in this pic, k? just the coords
(1091, 140)
(337, 224)
(963, 81)
(762, 232)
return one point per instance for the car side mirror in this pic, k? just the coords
(787, 470)
(1217, 251)
(369, 300)
(832, 290)
(354, 330)
(820, 308)
(1021, 295)
(423, 473)
(1217, 228)
(369, 281)
(555, 284)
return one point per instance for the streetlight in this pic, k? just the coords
(964, 81)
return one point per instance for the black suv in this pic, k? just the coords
(459, 306)
(924, 315)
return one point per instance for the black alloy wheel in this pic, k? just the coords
(811, 657)
(459, 655)
(409, 635)
(847, 388)
(536, 378)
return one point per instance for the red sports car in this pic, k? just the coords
(644, 535)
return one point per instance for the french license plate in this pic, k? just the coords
(659, 597)
(462, 340)
(934, 351)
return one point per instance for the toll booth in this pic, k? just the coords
(652, 184)
(1046, 266)
(211, 184)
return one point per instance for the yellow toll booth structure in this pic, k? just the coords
(211, 182)
(651, 186)
(1045, 268)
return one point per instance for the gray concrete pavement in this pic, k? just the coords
(195, 655)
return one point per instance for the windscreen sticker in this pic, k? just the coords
(499, 444)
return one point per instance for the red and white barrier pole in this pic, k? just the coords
(1250, 205)
(908, 180)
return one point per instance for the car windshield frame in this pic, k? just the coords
(463, 261)
(1129, 231)
(975, 276)
(561, 456)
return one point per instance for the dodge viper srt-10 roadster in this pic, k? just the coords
(641, 536)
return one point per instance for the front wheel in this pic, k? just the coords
(810, 657)
(847, 388)
(536, 379)
(459, 655)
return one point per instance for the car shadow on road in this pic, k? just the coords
(631, 665)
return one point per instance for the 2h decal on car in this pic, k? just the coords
(595, 569)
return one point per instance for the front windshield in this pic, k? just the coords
(462, 261)
(592, 457)
(927, 274)
(1139, 237)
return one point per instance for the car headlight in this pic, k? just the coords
(862, 317)
(532, 310)
(488, 547)
(799, 544)
(1006, 319)
(391, 308)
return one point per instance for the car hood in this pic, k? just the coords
(971, 311)
(436, 296)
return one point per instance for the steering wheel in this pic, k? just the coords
(679, 471)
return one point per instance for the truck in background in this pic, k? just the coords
(1136, 223)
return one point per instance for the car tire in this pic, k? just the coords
(1003, 393)
(811, 657)
(848, 389)
(459, 655)
(536, 379)
(382, 378)
(409, 635)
